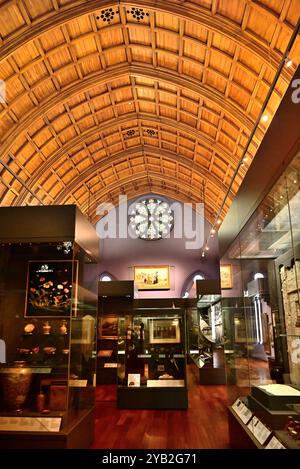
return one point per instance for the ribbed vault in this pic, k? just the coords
(104, 98)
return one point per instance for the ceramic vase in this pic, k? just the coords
(16, 381)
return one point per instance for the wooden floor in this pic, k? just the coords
(202, 426)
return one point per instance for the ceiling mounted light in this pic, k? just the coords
(265, 118)
(288, 62)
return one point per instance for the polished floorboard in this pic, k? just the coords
(203, 426)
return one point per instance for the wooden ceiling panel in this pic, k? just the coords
(223, 44)
(232, 9)
(144, 55)
(261, 24)
(167, 21)
(194, 50)
(48, 42)
(111, 37)
(292, 14)
(11, 19)
(37, 9)
(156, 89)
(216, 81)
(167, 41)
(220, 62)
(138, 35)
(168, 60)
(192, 69)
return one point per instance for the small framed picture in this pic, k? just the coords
(105, 353)
(152, 277)
(226, 276)
(108, 327)
(164, 331)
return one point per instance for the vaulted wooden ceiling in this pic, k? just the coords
(112, 97)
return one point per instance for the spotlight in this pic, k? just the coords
(288, 62)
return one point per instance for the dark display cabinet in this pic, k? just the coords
(152, 359)
(48, 325)
(114, 299)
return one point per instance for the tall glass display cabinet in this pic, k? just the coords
(262, 321)
(47, 328)
(115, 298)
(152, 359)
(205, 334)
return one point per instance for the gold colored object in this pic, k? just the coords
(29, 328)
(16, 381)
(46, 328)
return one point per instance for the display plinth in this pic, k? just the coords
(240, 436)
(152, 359)
(276, 419)
(80, 435)
(152, 398)
(275, 401)
(209, 375)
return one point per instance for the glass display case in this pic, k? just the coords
(205, 330)
(152, 359)
(114, 299)
(48, 325)
(261, 314)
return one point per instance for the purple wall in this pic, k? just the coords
(119, 256)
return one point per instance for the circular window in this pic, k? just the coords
(151, 218)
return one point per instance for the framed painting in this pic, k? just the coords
(152, 277)
(164, 331)
(49, 288)
(105, 353)
(226, 276)
(108, 327)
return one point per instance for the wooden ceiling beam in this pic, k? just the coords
(106, 163)
(92, 172)
(104, 77)
(159, 177)
(80, 139)
(199, 15)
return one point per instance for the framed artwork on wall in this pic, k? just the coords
(49, 288)
(152, 277)
(108, 327)
(164, 331)
(226, 276)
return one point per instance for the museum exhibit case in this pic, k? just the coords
(205, 333)
(114, 298)
(262, 321)
(48, 324)
(152, 358)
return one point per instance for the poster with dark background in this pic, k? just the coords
(49, 289)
